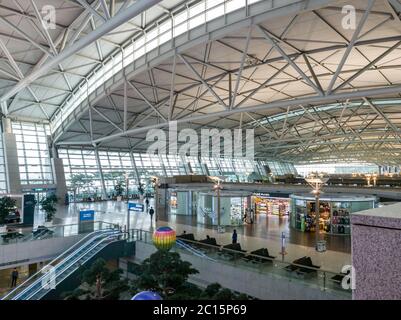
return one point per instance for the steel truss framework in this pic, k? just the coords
(313, 90)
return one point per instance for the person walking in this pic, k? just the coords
(98, 286)
(245, 217)
(14, 278)
(151, 212)
(234, 236)
(147, 203)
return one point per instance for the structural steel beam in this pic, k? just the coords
(278, 104)
(119, 19)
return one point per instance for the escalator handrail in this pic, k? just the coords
(92, 234)
(60, 263)
(84, 255)
(65, 267)
(41, 274)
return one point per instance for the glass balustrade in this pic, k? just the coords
(260, 262)
(56, 231)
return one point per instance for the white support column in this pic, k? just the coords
(138, 177)
(162, 165)
(11, 158)
(184, 164)
(57, 167)
(59, 179)
(99, 166)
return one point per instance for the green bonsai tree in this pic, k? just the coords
(164, 272)
(110, 288)
(48, 205)
(7, 204)
(215, 291)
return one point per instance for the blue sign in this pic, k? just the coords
(138, 207)
(87, 215)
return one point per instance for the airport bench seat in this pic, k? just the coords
(187, 236)
(262, 252)
(301, 271)
(211, 244)
(232, 251)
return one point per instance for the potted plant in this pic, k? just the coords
(49, 207)
(141, 190)
(119, 188)
(7, 204)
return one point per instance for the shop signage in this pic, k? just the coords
(259, 194)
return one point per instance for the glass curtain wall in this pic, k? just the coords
(81, 171)
(114, 164)
(33, 153)
(338, 168)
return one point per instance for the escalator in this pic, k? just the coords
(39, 234)
(41, 283)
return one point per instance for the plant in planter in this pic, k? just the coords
(164, 272)
(110, 287)
(7, 204)
(141, 188)
(119, 187)
(49, 206)
(117, 177)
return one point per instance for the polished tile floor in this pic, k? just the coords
(272, 227)
(266, 232)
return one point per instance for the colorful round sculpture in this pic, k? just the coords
(164, 238)
(147, 295)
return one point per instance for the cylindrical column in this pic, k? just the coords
(99, 166)
(7, 125)
(11, 157)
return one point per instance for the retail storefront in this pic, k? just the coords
(232, 208)
(334, 212)
(266, 204)
(181, 202)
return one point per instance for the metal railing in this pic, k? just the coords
(312, 276)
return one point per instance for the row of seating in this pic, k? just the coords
(230, 251)
(302, 267)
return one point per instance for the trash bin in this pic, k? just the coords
(321, 246)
